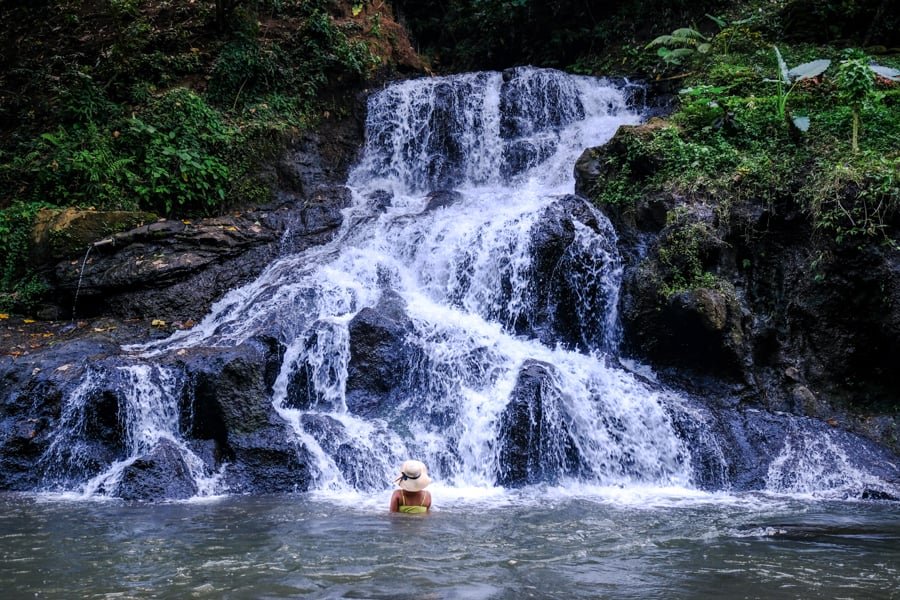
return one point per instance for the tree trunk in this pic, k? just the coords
(223, 11)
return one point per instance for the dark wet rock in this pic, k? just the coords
(724, 291)
(521, 155)
(161, 474)
(441, 199)
(697, 329)
(315, 221)
(876, 494)
(378, 349)
(535, 444)
(568, 300)
(170, 270)
(606, 162)
(741, 448)
(315, 160)
(230, 409)
(268, 460)
(381, 200)
(353, 460)
(231, 387)
(33, 391)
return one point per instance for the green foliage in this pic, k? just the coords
(176, 142)
(81, 100)
(731, 145)
(16, 223)
(248, 69)
(789, 79)
(25, 295)
(858, 198)
(128, 104)
(681, 254)
(681, 44)
(165, 157)
(245, 67)
(856, 86)
(78, 164)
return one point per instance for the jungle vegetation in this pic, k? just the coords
(173, 106)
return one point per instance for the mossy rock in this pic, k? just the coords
(625, 155)
(63, 233)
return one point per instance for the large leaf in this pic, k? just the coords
(782, 66)
(719, 21)
(886, 72)
(688, 33)
(809, 70)
(801, 123)
(664, 40)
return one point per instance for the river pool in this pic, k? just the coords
(534, 544)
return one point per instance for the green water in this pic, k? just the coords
(526, 546)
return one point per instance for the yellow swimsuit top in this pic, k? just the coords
(410, 508)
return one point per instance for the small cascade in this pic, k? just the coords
(80, 278)
(814, 460)
(108, 434)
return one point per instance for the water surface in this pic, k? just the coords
(615, 544)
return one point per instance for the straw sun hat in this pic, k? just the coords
(413, 476)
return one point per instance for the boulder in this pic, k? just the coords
(230, 388)
(575, 280)
(441, 199)
(161, 474)
(534, 441)
(267, 461)
(36, 392)
(68, 232)
(166, 270)
(378, 349)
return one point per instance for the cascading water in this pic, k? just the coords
(148, 421)
(462, 268)
(464, 315)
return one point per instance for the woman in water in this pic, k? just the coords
(411, 497)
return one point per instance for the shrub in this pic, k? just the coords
(15, 230)
(177, 142)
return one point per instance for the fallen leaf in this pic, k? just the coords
(157, 323)
(29, 321)
(3, 316)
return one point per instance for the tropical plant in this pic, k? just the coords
(680, 44)
(856, 87)
(788, 80)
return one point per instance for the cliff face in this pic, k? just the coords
(733, 294)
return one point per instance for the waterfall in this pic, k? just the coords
(463, 191)
(465, 315)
